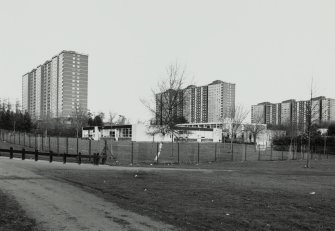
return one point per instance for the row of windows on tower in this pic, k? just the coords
(75, 73)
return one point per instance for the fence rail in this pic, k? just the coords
(96, 158)
(127, 152)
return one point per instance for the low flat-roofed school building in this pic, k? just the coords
(141, 133)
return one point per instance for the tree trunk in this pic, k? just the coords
(308, 162)
(159, 150)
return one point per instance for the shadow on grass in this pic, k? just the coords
(12, 217)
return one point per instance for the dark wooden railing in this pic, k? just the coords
(95, 159)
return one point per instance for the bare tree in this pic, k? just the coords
(112, 118)
(312, 117)
(17, 106)
(234, 118)
(122, 120)
(166, 105)
(257, 127)
(79, 119)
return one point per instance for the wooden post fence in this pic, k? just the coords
(50, 156)
(64, 158)
(11, 154)
(79, 157)
(36, 155)
(23, 154)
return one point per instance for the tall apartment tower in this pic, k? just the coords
(328, 110)
(56, 88)
(258, 113)
(296, 113)
(195, 107)
(302, 113)
(221, 100)
(289, 112)
(188, 104)
(202, 104)
(275, 114)
(264, 113)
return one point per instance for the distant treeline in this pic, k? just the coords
(316, 138)
(17, 121)
(303, 140)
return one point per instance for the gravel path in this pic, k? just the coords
(60, 206)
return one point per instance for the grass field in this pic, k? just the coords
(12, 217)
(277, 195)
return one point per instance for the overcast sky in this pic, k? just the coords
(270, 49)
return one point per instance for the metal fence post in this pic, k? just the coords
(132, 153)
(58, 144)
(23, 154)
(327, 154)
(157, 152)
(245, 152)
(49, 143)
(259, 153)
(24, 139)
(271, 151)
(78, 145)
(215, 150)
(178, 152)
(35, 141)
(67, 145)
(97, 158)
(89, 149)
(282, 155)
(198, 152)
(94, 158)
(232, 151)
(29, 141)
(19, 138)
(42, 142)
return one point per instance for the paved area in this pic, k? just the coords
(57, 205)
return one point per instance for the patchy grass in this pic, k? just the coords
(12, 217)
(254, 196)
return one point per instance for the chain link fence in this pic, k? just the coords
(128, 152)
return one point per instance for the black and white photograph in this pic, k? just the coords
(150, 115)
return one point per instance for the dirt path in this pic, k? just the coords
(60, 206)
